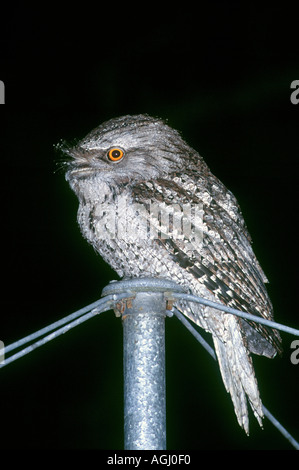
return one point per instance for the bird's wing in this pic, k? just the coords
(217, 252)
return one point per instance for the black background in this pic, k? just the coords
(219, 74)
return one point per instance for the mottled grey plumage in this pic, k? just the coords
(122, 172)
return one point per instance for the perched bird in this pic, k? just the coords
(150, 206)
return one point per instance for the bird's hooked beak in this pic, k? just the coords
(84, 164)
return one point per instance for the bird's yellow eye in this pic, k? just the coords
(115, 154)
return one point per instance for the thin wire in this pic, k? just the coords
(52, 326)
(95, 308)
(106, 303)
(48, 338)
(194, 332)
(211, 351)
(283, 430)
(238, 313)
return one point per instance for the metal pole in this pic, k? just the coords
(144, 373)
(144, 360)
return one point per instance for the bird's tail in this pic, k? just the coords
(238, 373)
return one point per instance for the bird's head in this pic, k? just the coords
(127, 149)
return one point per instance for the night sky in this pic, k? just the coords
(221, 75)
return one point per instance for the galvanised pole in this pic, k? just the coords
(143, 318)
